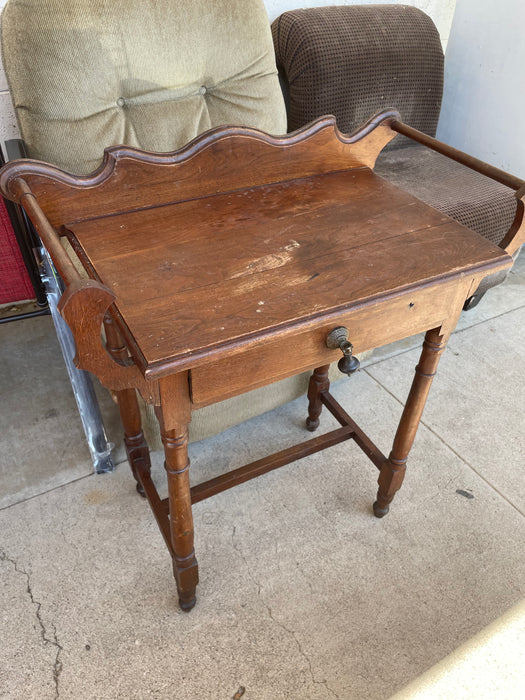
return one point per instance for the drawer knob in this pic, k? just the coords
(338, 338)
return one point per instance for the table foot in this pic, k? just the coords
(390, 479)
(312, 425)
(186, 576)
(319, 382)
(380, 511)
(187, 606)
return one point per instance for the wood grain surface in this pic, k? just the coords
(192, 278)
(221, 159)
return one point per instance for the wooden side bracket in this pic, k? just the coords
(83, 306)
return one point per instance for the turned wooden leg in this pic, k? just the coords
(393, 470)
(318, 382)
(137, 448)
(177, 467)
(134, 440)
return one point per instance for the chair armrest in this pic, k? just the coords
(515, 237)
(15, 148)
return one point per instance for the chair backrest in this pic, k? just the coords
(351, 61)
(86, 74)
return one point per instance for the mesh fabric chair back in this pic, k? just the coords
(352, 61)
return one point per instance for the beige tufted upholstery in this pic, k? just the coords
(86, 74)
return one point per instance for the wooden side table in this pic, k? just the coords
(238, 261)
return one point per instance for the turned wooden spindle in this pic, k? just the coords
(319, 382)
(177, 465)
(136, 446)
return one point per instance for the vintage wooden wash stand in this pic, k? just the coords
(226, 266)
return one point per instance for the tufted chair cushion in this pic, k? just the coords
(86, 74)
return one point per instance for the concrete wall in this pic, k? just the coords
(440, 10)
(484, 97)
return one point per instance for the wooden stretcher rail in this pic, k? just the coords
(348, 430)
(363, 441)
(267, 464)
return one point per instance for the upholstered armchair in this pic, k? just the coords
(351, 61)
(85, 75)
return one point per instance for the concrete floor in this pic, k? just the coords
(303, 593)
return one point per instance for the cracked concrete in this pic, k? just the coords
(278, 622)
(57, 664)
(303, 593)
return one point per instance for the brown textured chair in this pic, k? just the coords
(351, 61)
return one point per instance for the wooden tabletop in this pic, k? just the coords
(195, 276)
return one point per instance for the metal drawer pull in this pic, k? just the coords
(338, 338)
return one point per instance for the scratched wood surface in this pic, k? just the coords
(198, 275)
(369, 326)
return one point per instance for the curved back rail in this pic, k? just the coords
(221, 160)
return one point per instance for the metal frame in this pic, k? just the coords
(48, 289)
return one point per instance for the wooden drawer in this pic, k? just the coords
(369, 326)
